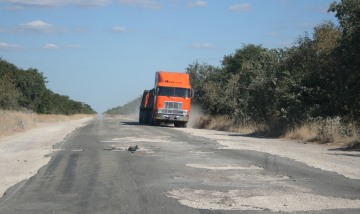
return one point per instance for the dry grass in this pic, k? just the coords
(222, 123)
(15, 121)
(330, 130)
(306, 132)
(48, 118)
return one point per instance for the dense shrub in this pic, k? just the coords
(317, 77)
(26, 90)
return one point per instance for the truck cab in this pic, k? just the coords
(169, 101)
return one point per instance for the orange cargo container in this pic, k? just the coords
(169, 101)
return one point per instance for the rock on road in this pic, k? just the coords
(186, 171)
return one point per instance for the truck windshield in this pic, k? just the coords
(173, 92)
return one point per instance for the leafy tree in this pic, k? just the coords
(308, 74)
(26, 89)
(317, 77)
(9, 94)
(326, 39)
(214, 99)
(321, 79)
(252, 83)
(347, 81)
(199, 74)
(31, 83)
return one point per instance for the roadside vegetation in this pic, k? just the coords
(309, 91)
(25, 90)
(25, 100)
(18, 121)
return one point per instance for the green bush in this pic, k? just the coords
(26, 90)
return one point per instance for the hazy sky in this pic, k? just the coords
(106, 52)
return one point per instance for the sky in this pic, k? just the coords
(106, 52)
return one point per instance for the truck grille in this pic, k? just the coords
(174, 108)
(173, 105)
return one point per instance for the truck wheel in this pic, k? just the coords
(141, 119)
(154, 122)
(180, 124)
(146, 118)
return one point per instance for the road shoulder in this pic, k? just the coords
(326, 157)
(23, 154)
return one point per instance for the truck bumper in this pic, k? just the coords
(171, 117)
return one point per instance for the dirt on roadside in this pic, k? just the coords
(28, 151)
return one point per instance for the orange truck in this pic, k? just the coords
(169, 101)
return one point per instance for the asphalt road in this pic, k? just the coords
(172, 172)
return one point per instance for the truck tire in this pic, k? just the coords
(154, 122)
(146, 118)
(141, 117)
(180, 124)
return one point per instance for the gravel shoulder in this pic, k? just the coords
(326, 157)
(23, 154)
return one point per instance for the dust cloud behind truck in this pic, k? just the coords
(169, 101)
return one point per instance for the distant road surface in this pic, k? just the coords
(186, 171)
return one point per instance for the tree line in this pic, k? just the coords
(26, 90)
(319, 77)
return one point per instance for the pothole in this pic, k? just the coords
(141, 138)
(117, 148)
(78, 150)
(259, 199)
(246, 177)
(224, 167)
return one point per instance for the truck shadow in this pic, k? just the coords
(142, 124)
(250, 135)
(348, 149)
(350, 155)
(131, 123)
